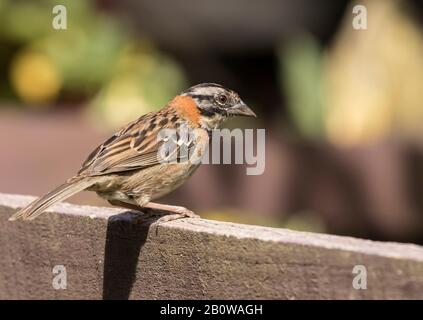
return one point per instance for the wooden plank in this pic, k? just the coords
(115, 254)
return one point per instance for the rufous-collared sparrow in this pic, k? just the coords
(126, 169)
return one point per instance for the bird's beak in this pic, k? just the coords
(241, 109)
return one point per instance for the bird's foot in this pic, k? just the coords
(157, 211)
(176, 212)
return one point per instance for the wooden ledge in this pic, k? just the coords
(114, 254)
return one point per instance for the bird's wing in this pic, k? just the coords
(136, 146)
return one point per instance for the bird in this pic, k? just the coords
(126, 169)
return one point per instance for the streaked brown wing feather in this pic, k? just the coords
(134, 147)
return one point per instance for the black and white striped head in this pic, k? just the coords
(216, 104)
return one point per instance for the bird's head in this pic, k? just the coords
(215, 104)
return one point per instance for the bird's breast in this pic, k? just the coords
(159, 180)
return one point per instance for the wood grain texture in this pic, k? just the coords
(115, 254)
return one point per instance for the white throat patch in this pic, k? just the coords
(211, 123)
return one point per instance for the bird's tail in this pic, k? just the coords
(37, 207)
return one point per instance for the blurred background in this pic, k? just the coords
(342, 108)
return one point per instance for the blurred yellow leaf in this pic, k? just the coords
(35, 78)
(373, 77)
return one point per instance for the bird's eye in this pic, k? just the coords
(222, 99)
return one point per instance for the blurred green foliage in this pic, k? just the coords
(84, 53)
(143, 81)
(365, 87)
(97, 58)
(300, 73)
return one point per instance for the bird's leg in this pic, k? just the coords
(126, 205)
(174, 209)
(177, 211)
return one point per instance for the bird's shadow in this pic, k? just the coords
(126, 234)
